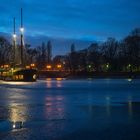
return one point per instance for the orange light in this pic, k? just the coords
(48, 79)
(59, 66)
(32, 65)
(59, 79)
(27, 67)
(48, 66)
(6, 66)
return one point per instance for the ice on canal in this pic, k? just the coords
(61, 109)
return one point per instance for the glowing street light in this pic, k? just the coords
(48, 66)
(14, 125)
(22, 30)
(107, 65)
(89, 66)
(6, 66)
(32, 65)
(27, 67)
(59, 66)
(129, 65)
(14, 36)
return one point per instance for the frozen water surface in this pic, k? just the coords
(60, 109)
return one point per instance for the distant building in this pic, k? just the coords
(63, 60)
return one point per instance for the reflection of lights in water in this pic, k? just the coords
(17, 125)
(59, 98)
(48, 104)
(15, 83)
(17, 113)
(90, 79)
(130, 109)
(129, 79)
(108, 98)
(14, 126)
(60, 109)
(49, 82)
(49, 98)
(17, 116)
(108, 105)
(52, 98)
(54, 107)
(14, 115)
(49, 79)
(59, 82)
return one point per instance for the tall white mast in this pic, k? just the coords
(22, 40)
(14, 42)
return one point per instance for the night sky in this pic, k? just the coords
(68, 21)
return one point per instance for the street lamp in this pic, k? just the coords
(48, 66)
(59, 66)
(89, 66)
(33, 65)
(27, 67)
(107, 65)
(129, 65)
(14, 36)
(22, 30)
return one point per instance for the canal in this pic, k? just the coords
(61, 109)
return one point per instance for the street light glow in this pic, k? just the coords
(129, 65)
(14, 36)
(59, 66)
(33, 65)
(22, 29)
(48, 66)
(27, 67)
(89, 66)
(14, 126)
(107, 65)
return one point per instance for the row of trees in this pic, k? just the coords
(111, 55)
(40, 55)
(5, 51)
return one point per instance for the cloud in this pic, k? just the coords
(72, 19)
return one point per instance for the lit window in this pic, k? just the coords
(59, 66)
(48, 66)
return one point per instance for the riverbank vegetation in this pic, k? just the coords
(109, 56)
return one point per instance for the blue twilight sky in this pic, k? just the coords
(68, 21)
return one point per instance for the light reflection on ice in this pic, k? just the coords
(108, 105)
(17, 113)
(49, 83)
(129, 79)
(15, 83)
(59, 84)
(55, 107)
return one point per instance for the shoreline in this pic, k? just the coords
(97, 75)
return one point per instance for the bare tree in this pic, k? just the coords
(5, 51)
